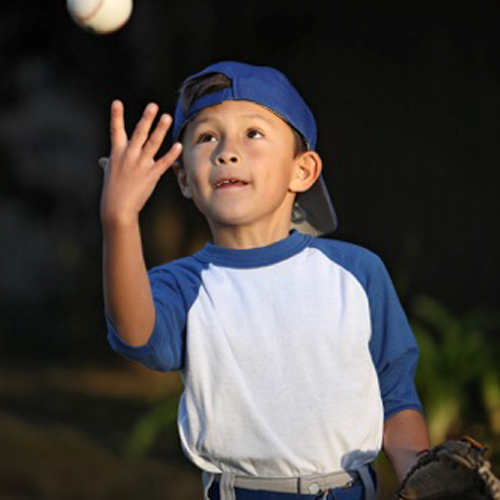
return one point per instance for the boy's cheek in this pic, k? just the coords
(189, 158)
(183, 179)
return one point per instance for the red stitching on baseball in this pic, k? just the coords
(84, 19)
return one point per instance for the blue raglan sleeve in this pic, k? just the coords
(165, 348)
(393, 346)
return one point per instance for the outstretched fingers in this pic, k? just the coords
(144, 142)
(141, 132)
(155, 140)
(168, 159)
(117, 126)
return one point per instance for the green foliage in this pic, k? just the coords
(458, 374)
(490, 390)
(148, 428)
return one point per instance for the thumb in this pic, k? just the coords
(103, 162)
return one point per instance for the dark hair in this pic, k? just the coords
(202, 85)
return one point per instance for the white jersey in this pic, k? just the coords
(291, 355)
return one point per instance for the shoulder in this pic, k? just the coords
(344, 248)
(354, 258)
(179, 266)
(181, 273)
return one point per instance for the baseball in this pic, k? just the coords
(100, 16)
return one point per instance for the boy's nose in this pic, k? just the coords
(227, 151)
(226, 158)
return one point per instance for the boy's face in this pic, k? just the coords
(239, 166)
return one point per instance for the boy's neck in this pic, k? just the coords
(241, 238)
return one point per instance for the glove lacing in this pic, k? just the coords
(492, 483)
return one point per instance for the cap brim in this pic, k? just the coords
(317, 205)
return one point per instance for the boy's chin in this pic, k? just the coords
(243, 224)
(233, 217)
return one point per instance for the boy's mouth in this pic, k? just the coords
(224, 183)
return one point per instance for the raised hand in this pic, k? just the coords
(131, 173)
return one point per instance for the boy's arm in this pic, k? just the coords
(405, 435)
(130, 176)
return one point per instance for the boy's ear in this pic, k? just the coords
(308, 169)
(182, 179)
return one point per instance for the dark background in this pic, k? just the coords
(407, 101)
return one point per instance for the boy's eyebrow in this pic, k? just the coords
(198, 121)
(257, 115)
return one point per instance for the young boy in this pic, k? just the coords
(296, 357)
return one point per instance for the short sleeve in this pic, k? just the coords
(173, 291)
(393, 346)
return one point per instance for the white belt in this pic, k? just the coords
(308, 485)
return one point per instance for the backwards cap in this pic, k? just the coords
(271, 89)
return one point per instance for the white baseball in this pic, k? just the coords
(100, 16)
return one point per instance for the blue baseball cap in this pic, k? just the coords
(273, 90)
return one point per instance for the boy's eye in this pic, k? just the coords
(206, 137)
(254, 134)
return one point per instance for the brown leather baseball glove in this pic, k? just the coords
(453, 470)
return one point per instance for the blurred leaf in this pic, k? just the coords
(490, 385)
(457, 361)
(148, 428)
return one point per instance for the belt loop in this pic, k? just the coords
(207, 480)
(226, 486)
(368, 483)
